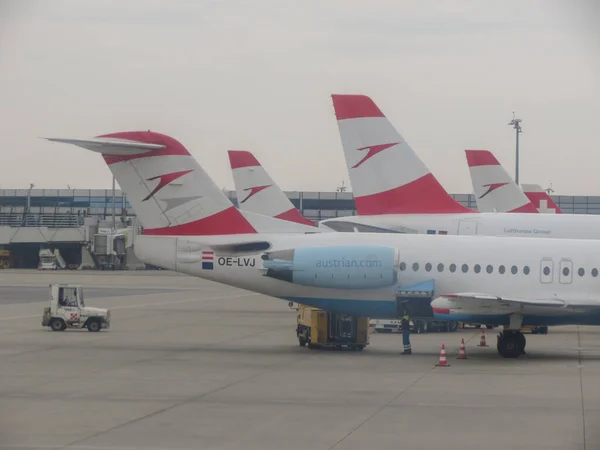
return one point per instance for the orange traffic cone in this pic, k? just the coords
(462, 354)
(482, 342)
(442, 362)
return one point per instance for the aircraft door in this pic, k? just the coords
(566, 271)
(547, 270)
(467, 227)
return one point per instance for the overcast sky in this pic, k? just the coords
(258, 75)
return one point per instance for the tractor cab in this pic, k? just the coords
(70, 296)
(67, 309)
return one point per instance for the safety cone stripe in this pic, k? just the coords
(462, 354)
(442, 362)
(482, 342)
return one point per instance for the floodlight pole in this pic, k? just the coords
(516, 123)
(114, 223)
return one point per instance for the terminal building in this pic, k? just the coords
(72, 228)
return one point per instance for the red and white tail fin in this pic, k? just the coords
(257, 192)
(170, 192)
(387, 176)
(494, 188)
(540, 199)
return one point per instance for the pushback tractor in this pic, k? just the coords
(68, 310)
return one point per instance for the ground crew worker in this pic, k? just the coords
(406, 333)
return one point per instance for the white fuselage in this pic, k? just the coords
(434, 255)
(562, 226)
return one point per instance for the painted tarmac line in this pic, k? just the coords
(142, 305)
(89, 447)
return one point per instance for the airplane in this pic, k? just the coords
(395, 192)
(540, 198)
(494, 188)
(257, 192)
(495, 280)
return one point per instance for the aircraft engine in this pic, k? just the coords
(344, 267)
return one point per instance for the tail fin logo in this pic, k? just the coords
(492, 187)
(255, 190)
(372, 151)
(165, 180)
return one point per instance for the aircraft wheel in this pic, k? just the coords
(522, 341)
(511, 344)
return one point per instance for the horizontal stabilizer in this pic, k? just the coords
(111, 146)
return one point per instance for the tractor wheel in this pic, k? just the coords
(93, 325)
(57, 324)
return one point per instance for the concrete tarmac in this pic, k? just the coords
(190, 364)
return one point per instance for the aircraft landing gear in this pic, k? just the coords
(511, 344)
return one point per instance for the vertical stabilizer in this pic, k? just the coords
(540, 199)
(257, 192)
(387, 176)
(494, 188)
(167, 188)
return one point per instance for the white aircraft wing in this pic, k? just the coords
(512, 302)
(486, 298)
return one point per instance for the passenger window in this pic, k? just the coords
(514, 270)
(416, 266)
(566, 271)
(403, 266)
(581, 271)
(440, 267)
(546, 270)
(489, 268)
(594, 272)
(526, 270)
(452, 267)
(465, 268)
(428, 267)
(477, 268)
(501, 269)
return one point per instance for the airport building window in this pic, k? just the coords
(477, 268)
(581, 271)
(566, 271)
(501, 269)
(428, 267)
(465, 268)
(452, 267)
(313, 205)
(526, 270)
(440, 267)
(489, 268)
(514, 270)
(403, 266)
(594, 272)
